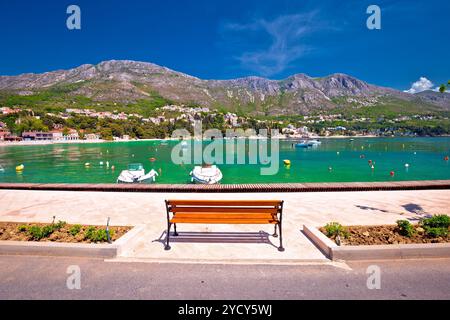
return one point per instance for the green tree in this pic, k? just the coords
(106, 134)
(30, 124)
(66, 131)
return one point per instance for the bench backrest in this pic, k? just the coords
(225, 206)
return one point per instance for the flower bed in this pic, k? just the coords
(432, 230)
(59, 232)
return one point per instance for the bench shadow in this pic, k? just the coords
(260, 237)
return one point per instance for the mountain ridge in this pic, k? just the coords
(127, 81)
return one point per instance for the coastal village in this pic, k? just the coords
(185, 116)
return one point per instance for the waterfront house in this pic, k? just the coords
(57, 135)
(92, 136)
(37, 136)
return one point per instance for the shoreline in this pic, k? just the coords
(45, 143)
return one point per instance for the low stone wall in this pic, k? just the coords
(376, 252)
(104, 251)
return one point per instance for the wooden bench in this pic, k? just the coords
(224, 212)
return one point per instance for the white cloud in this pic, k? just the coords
(285, 35)
(422, 85)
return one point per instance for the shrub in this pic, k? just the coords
(439, 221)
(36, 232)
(436, 232)
(406, 228)
(437, 226)
(97, 235)
(22, 228)
(74, 230)
(59, 225)
(334, 229)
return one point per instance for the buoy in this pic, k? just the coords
(113, 168)
(152, 159)
(20, 168)
(446, 158)
(101, 163)
(392, 173)
(370, 161)
(287, 162)
(338, 153)
(373, 167)
(330, 169)
(407, 165)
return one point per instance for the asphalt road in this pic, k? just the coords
(46, 278)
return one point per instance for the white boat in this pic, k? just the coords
(313, 143)
(2, 169)
(206, 175)
(136, 174)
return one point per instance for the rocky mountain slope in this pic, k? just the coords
(130, 81)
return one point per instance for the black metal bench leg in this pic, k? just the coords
(281, 249)
(275, 234)
(168, 237)
(175, 228)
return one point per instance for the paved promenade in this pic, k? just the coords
(228, 244)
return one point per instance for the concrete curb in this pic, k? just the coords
(379, 252)
(104, 251)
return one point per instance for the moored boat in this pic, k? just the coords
(312, 143)
(206, 175)
(136, 174)
(302, 144)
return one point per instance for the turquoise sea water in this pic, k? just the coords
(349, 160)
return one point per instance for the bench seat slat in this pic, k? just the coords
(223, 210)
(230, 215)
(222, 221)
(249, 203)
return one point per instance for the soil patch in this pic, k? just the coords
(387, 234)
(12, 231)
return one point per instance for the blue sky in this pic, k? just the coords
(234, 38)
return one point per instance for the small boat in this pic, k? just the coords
(20, 168)
(206, 175)
(312, 143)
(302, 144)
(287, 162)
(136, 174)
